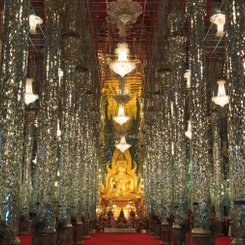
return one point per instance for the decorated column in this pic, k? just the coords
(47, 155)
(13, 77)
(236, 78)
(177, 48)
(71, 47)
(200, 157)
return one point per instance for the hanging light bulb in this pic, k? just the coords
(221, 99)
(29, 96)
(34, 20)
(187, 77)
(219, 20)
(122, 66)
(122, 146)
(188, 133)
(121, 118)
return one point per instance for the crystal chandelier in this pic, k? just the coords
(122, 66)
(188, 133)
(29, 96)
(34, 20)
(123, 13)
(219, 20)
(122, 146)
(221, 99)
(121, 118)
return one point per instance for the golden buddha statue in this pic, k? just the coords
(121, 178)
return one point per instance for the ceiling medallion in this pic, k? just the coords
(123, 13)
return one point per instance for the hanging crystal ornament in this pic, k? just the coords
(34, 20)
(188, 133)
(219, 20)
(29, 96)
(221, 99)
(122, 66)
(236, 77)
(121, 118)
(201, 168)
(13, 76)
(47, 161)
(177, 54)
(122, 146)
(123, 13)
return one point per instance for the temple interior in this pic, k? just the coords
(122, 116)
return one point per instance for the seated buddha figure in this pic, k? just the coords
(121, 178)
(121, 182)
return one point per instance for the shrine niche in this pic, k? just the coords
(122, 189)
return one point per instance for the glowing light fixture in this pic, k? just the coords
(187, 77)
(34, 20)
(60, 75)
(121, 118)
(221, 99)
(122, 66)
(188, 133)
(122, 146)
(219, 20)
(58, 129)
(29, 96)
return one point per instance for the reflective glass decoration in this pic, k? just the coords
(177, 47)
(47, 155)
(236, 77)
(12, 105)
(201, 166)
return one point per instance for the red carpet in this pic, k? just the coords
(25, 240)
(123, 239)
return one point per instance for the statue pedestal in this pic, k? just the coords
(77, 233)
(65, 235)
(165, 233)
(178, 235)
(201, 236)
(44, 238)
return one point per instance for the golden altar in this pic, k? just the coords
(122, 189)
